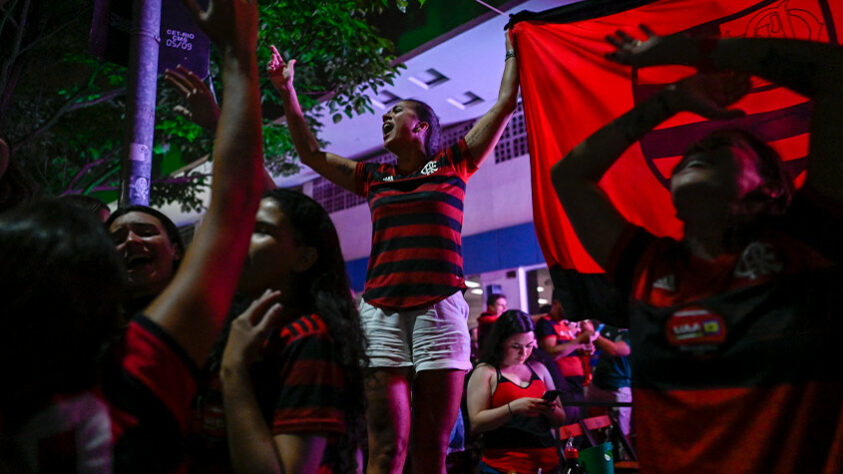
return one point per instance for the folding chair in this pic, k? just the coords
(586, 428)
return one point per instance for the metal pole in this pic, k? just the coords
(140, 114)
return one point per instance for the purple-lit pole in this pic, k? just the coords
(140, 114)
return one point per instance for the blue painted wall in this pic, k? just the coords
(498, 249)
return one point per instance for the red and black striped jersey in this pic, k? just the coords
(416, 258)
(149, 392)
(133, 421)
(311, 385)
(736, 361)
(299, 386)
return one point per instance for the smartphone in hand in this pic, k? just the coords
(551, 395)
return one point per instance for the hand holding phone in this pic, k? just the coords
(551, 395)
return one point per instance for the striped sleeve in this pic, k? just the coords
(362, 177)
(311, 386)
(464, 163)
(149, 390)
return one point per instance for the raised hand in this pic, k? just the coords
(281, 73)
(585, 336)
(709, 95)
(231, 24)
(249, 331)
(202, 109)
(655, 50)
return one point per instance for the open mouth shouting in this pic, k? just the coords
(137, 260)
(387, 127)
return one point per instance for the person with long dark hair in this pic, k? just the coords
(505, 401)
(61, 284)
(733, 326)
(287, 375)
(89, 203)
(413, 310)
(84, 396)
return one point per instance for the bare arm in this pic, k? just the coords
(337, 169)
(575, 178)
(484, 135)
(193, 307)
(809, 68)
(252, 446)
(595, 219)
(479, 400)
(250, 441)
(814, 70)
(202, 107)
(548, 344)
(614, 349)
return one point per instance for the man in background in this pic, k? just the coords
(612, 376)
(495, 306)
(569, 345)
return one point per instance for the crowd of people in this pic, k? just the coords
(128, 351)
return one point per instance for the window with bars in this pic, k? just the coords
(513, 143)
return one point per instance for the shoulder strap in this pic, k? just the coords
(535, 376)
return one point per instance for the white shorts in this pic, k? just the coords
(433, 338)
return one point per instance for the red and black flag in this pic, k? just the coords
(570, 91)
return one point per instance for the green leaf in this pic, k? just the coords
(339, 54)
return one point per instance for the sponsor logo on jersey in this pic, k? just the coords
(387, 179)
(696, 329)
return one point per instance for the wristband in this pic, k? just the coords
(510, 53)
(706, 51)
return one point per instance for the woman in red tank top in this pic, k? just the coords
(505, 401)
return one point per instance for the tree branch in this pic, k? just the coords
(181, 179)
(8, 14)
(85, 169)
(11, 83)
(4, 75)
(103, 188)
(104, 97)
(69, 106)
(47, 36)
(115, 166)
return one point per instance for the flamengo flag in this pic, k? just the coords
(570, 90)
